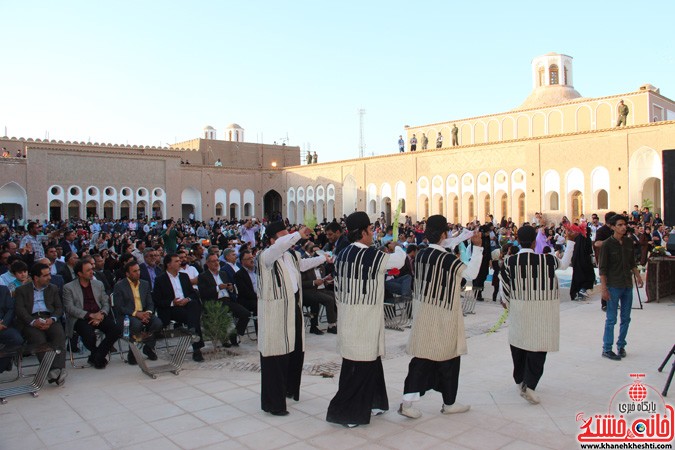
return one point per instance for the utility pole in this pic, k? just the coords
(362, 144)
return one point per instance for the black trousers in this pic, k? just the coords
(87, 332)
(314, 298)
(528, 367)
(281, 375)
(54, 335)
(136, 327)
(361, 389)
(190, 315)
(240, 313)
(441, 376)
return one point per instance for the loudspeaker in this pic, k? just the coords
(668, 187)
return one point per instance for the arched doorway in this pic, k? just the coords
(521, 208)
(386, 209)
(191, 202)
(651, 191)
(109, 209)
(141, 209)
(125, 209)
(349, 195)
(12, 201)
(55, 210)
(92, 209)
(272, 205)
(576, 205)
(157, 210)
(219, 209)
(74, 209)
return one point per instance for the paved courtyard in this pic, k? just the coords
(216, 404)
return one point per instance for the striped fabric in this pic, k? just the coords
(276, 306)
(438, 323)
(530, 285)
(359, 295)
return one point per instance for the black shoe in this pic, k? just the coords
(100, 363)
(234, 341)
(332, 330)
(197, 355)
(622, 352)
(603, 305)
(150, 353)
(279, 413)
(611, 355)
(315, 330)
(131, 359)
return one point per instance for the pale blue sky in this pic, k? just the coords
(153, 72)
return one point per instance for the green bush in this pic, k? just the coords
(217, 323)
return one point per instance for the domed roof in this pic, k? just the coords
(234, 126)
(544, 96)
(209, 127)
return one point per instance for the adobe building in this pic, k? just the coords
(557, 152)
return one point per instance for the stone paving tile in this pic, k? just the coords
(216, 406)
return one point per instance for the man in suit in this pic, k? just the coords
(315, 294)
(38, 309)
(9, 336)
(69, 243)
(133, 298)
(216, 285)
(230, 267)
(52, 254)
(100, 274)
(150, 269)
(176, 299)
(68, 271)
(336, 239)
(246, 281)
(88, 309)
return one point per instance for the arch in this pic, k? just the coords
(301, 213)
(494, 131)
(387, 209)
(249, 199)
(484, 206)
(158, 209)
(310, 193)
(191, 202)
(349, 195)
(453, 208)
(584, 118)
(468, 208)
(385, 191)
(142, 209)
(518, 207)
(603, 116)
(523, 127)
(553, 74)
(600, 188)
(272, 205)
(465, 135)
(479, 132)
(235, 204)
(290, 211)
(330, 210)
(501, 181)
(74, 209)
(501, 206)
(320, 210)
(518, 180)
(371, 198)
(125, 209)
(422, 207)
(219, 209)
(452, 184)
(220, 198)
(574, 180)
(55, 210)
(91, 209)
(400, 194)
(508, 128)
(109, 209)
(555, 122)
(576, 202)
(644, 177)
(551, 185)
(538, 124)
(13, 201)
(437, 204)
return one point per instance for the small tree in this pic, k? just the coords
(217, 322)
(647, 203)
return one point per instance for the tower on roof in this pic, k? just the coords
(234, 133)
(552, 81)
(209, 132)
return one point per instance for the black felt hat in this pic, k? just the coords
(437, 223)
(358, 220)
(527, 233)
(272, 229)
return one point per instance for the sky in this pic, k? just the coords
(157, 72)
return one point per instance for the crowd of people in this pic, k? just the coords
(62, 281)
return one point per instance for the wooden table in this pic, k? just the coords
(660, 278)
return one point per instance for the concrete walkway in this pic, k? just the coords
(216, 404)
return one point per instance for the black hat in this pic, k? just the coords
(437, 223)
(358, 220)
(272, 229)
(527, 233)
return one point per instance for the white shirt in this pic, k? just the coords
(191, 272)
(222, 293)
(177, 288)
(279, 250)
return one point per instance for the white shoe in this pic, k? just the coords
(377, 412)
(455, 408)
(529, 395)
(410, 412)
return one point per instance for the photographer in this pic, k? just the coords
(170, 237)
